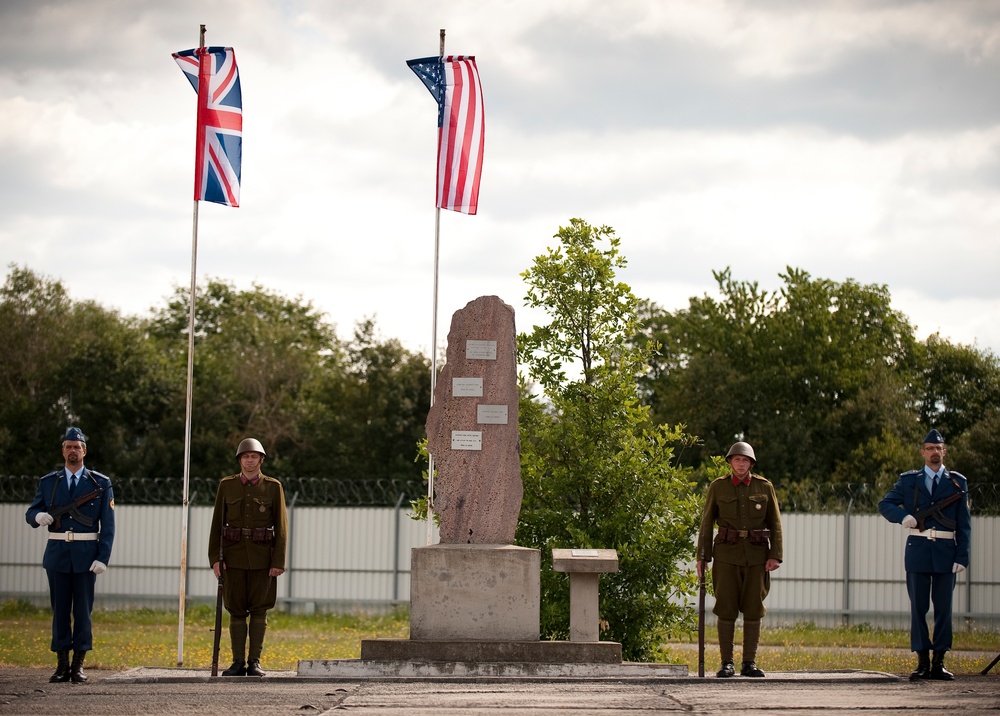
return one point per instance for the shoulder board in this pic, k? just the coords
(53, 473)
(960, 476)
(231, 477)
(912, 472)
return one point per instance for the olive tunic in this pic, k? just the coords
(740, 579)
(249, 506)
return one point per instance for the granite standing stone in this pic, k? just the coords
(477, 492)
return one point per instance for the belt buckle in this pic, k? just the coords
(931, 534)
(69, 535)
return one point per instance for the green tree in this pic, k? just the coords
(597, 473)
(257, 357)
(372, 414)
(817, 375)
(75, 363)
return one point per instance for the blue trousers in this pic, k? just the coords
(924, 588)
(72, 597)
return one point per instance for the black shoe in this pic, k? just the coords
(938, 672)
(76, 674)
(62, 674)
(750, 669)
(238, 668)
(923, 670)
(253, 668)
(727, 670)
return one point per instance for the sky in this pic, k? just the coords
(849, 139)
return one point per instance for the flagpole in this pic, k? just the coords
(434, 329)
(182, 597)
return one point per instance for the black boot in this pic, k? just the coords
(727, 670)
(76, 674)
(923, 670)
(238, 668)
(938, 671)
(253, 668)
(62, 670)
(750, 669)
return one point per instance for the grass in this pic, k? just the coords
(806, 647)
(124, 639)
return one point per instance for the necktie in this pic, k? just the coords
(72, 485)
(934, 487)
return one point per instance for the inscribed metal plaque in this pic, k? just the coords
(480, 350)
(467, 387)
(491, 414)
(466, 440)
(585, 553)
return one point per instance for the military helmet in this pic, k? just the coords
(741, 448)
(250, 445)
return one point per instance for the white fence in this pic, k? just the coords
(837, 569)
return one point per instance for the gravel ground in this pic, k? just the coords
(152, 692)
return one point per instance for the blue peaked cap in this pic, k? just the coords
(75, 434)
(934, 437)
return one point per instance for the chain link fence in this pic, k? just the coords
(309, 491)
(329, 492)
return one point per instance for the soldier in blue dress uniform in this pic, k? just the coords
(78, 549)
(937, 549)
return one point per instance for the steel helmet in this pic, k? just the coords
(250, 445)
(741, 448)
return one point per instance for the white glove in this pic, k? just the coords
(44, 519)
(98, 567)
(910, 521)
(956, 568)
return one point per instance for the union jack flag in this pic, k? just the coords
(219, 146)
(453, 81)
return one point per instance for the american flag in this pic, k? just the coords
(454, 83)
(219, 147)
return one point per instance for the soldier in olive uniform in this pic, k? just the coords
(746, 550)
(249, 532)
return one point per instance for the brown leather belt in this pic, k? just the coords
(257, 534)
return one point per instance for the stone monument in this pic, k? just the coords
(472, 429)
(475, 597)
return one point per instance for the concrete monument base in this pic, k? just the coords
(362, 669)
(475, 592)
(526, 652)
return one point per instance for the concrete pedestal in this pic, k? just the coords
(584, 567)
(475, 592)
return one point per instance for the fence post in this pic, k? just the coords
(846, 616)
(396, 550)
(289, 552)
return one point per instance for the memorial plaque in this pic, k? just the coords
(585, 552)
(466, 440)
(467, 387)
(480, 350)
(491, 414)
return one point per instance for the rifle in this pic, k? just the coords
(701, 621)
(218, 599)
(921, 515)
(72, 511)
